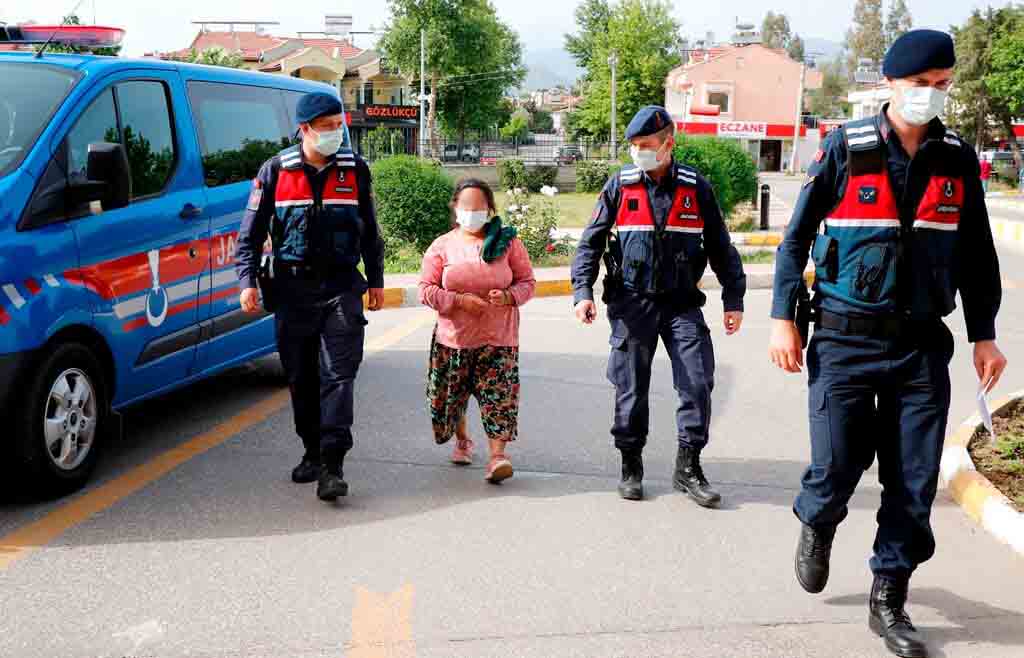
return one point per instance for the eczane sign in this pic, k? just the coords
(743, 129)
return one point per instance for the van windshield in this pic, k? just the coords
(29, 95)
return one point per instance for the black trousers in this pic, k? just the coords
(321, 348)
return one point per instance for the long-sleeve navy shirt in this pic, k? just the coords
(722, 255)
(978, 275)
(257, 218)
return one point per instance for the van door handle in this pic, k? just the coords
(190, 211)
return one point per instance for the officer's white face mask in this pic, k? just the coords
(472, 220)
(919, 105)
(646, 159)
(327, 142)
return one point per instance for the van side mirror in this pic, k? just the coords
(108, 164)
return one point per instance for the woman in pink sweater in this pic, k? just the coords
(476, 277)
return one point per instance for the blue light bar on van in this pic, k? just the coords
(95, 36)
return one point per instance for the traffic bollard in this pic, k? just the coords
(766, 193)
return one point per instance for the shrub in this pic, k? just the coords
(591, 175)
(512, 174)
(412, 199)
(724, 163)
(538, 177)
(534, 221)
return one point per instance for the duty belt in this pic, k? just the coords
(296, 271)
(877, 326)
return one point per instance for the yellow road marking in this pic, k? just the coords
(28, 538)
(381, 626)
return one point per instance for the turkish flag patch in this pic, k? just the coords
(819, 156)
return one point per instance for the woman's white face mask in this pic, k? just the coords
(472, 220)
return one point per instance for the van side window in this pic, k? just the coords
(97, 124)
(239, 127)
(148, 135)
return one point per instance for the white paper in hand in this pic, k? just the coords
(986, 415)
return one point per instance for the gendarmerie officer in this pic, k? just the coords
(661, 225)
(905, 227)
(314, 202)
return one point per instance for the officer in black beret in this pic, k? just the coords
(661, 225)
(905, 229)
(314, 201)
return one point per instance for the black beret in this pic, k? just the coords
(315, 105)
(648, 120)
(918, 51)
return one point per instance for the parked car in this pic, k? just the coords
(468, 153)
(123, 184)
(569, 154)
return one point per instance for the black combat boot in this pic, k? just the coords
(812, 556)
(689, 478)
(888, 618)
(306, 472)
(631, 487)
(331, 485)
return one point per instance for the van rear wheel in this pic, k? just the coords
(63, 419)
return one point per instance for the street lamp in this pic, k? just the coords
(613, 62)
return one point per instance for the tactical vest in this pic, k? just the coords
(866, 242)
(325, 234)
(667, 259)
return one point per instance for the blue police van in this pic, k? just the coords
(122, 186)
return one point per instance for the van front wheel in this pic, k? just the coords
(63, 419)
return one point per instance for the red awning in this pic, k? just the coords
(772, 130)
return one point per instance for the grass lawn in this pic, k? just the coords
(575, 208)
(758, 257)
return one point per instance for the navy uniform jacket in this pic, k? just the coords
(978, 276)
(722, 256)
(257, 218)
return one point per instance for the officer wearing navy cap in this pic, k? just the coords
(314, 201)
(905, 228)
(660, 224)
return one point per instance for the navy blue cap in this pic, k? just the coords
(649, 120)
(918, 51)
(317, 104)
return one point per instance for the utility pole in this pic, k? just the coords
(613, 61)
(795, 159)
(423, 85)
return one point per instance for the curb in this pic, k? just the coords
(757, 239)
(408, 297)
(976, 495)
(1008, 231)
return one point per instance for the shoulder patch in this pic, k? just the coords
(255, 196)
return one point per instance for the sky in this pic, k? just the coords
(541, 23)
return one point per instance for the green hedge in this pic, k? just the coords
(412, 198)
(591, 175)
(724, 163)
(538, 177)
(511, 173)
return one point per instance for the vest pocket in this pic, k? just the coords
(637, 263)
(874, 274)
(825, 255)
(684, 275)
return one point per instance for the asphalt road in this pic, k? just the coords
(192, 541)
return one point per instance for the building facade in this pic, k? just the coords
(374, 94)
(748, 93)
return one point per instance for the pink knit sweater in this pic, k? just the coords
(453, 265)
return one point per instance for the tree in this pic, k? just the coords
(980, 105)
(592, 17)
(866, 39)
(898, 22)
(1005, 80)
(541, 121)
(644, 35)
(796, 49)
(830, 101)
(775, 31)
(518, 127)
(215, 56)
(472, 58)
